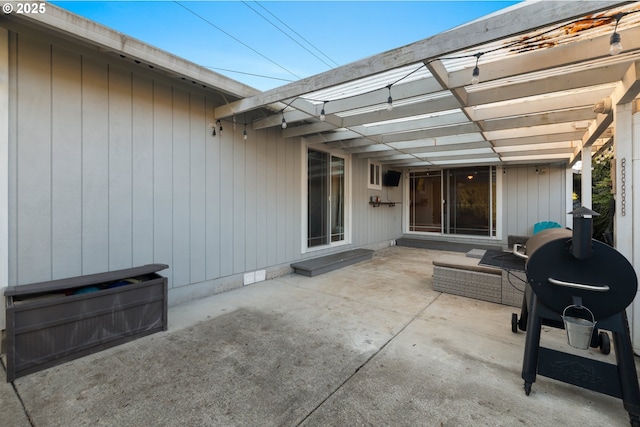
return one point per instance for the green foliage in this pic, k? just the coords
(602, 199)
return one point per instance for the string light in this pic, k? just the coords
(244, 133)
(475, 76)
(234, 122)
(214, 130)
(615, 46)
(219, 123)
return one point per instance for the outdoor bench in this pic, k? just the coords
(462, 275)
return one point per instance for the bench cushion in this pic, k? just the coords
(461, 262)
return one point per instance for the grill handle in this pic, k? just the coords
(578, 285)
(517, 253)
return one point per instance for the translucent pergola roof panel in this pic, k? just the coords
(536, 99)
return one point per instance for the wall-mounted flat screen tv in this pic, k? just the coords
(392, 178)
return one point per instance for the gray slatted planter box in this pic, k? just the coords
(49, 323)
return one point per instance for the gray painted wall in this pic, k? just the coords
(530, 197)
(110, 168)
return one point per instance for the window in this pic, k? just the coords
(326, 198)
(375, 176)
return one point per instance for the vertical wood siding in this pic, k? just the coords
(114, 169)
(111, 169)
(530, 197)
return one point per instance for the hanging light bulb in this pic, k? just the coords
(234, 122)
(244, 133)
(615, 46)
(475, 76)
(284, 122)
(323, 116)
(214, 131)
(389, 100)
(220, 125)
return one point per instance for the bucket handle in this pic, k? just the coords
(603, 288)
(593, 318)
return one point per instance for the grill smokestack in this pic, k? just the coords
(582, 232)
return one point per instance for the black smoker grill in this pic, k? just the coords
(576, 282)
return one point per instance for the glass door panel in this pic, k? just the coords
(469, 201)
(425, 201)
(337, 199)
(317, 198)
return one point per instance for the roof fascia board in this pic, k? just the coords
(511, 22)
(72, 26)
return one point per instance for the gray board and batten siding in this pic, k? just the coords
(111, 167)
(530, 196)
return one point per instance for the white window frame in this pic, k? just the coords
(304, 206)
(374, 181)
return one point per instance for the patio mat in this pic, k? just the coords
(503, 260)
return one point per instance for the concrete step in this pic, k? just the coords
(324, 264)
(443, 245)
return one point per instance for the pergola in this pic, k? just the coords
(547, 90)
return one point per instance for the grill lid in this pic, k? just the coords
(606, 282)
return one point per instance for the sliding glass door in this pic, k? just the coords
(453, 201)
(425, 201)
(326, 198)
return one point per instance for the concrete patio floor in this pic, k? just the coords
(370, 344)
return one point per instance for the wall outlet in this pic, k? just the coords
(261, 275)
(249, 278)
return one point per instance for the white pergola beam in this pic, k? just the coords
(522, 18)
(574, 115)
(539, 139)
(558, 82)
(544, 59)
(426, 149)
(526, 106)
(630, 84)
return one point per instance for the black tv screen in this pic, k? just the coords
(392, 178)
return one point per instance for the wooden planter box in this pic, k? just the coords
(49, 323)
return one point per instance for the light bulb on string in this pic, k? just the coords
(323, 116)
(244, 133)
(389, 100)
(220, 126)
(475, 76)
(284, 122)
(234, 122)
(615, 45)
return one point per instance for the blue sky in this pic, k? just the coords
(265, 44)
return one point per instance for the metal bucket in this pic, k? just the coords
(579, 330)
